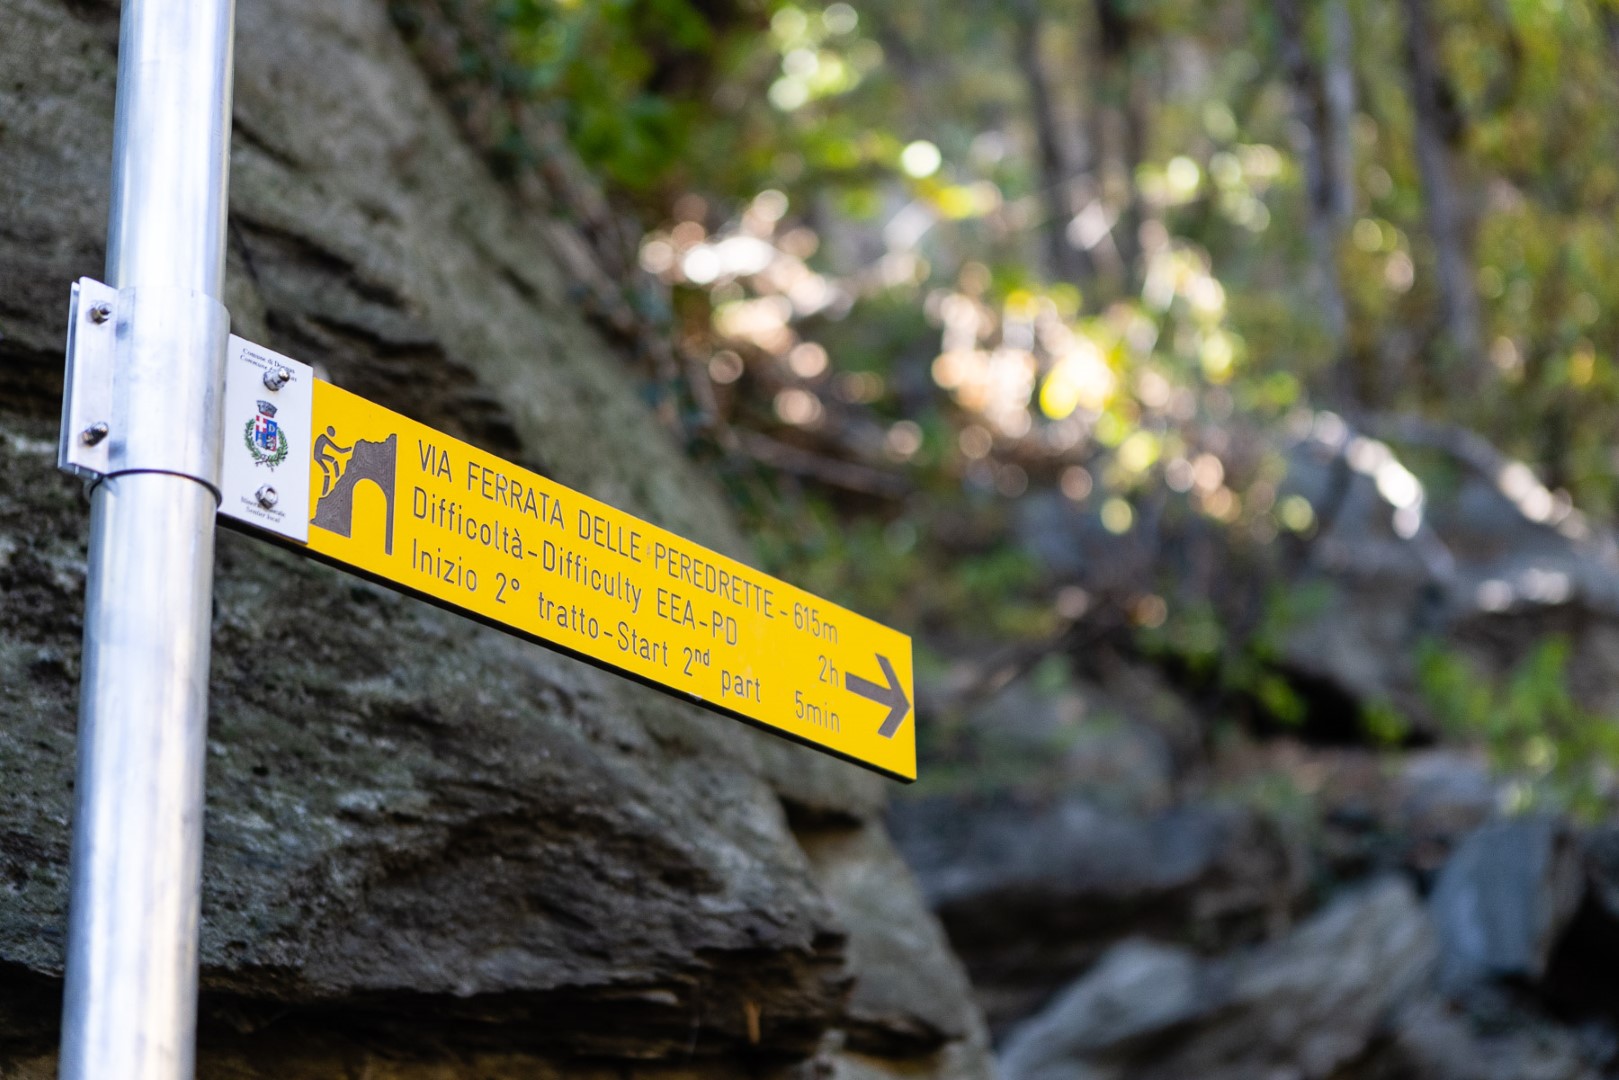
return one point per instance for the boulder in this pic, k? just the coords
(1305, 1006)
(1432, 1040)
(1135, 993)
(1030, 894)
(910, 1008)
(1503, 900)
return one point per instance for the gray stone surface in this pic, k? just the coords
(1504, 899)
(1305, 1006)
(432, 850)
(1137, 991)
(1432, 1041)
(1032, 893)
(911, 1002)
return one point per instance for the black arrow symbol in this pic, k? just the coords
(892, 695)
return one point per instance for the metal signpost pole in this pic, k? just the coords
(130, 1004)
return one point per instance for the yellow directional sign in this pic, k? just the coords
(429, 514)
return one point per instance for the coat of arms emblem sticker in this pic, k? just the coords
(264, 437)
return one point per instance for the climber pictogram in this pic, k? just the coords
(343, 468)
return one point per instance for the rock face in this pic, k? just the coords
(431, 850)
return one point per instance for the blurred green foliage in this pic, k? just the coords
(820, 101)
(600, 64)
(1556, 750)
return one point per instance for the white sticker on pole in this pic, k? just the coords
(268, 410)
